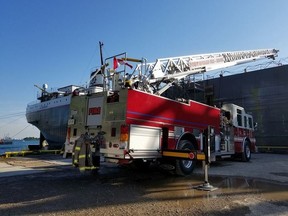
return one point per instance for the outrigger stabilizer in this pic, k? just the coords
(206, 186)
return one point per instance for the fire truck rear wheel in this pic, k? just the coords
(185, 167)
(246, 154)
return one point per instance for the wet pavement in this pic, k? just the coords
(51, 186)
(272, 167)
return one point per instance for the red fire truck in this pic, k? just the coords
(123, 118)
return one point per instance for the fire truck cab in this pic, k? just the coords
(237, 130)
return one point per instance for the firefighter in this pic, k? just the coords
(82, 156)
(76, 151)
(226, 119)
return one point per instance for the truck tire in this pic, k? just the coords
(246, 154)
(185, 167)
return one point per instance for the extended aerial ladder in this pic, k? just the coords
(158, 76)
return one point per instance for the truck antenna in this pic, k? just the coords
(101, 56)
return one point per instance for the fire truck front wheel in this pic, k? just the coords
(185, 167)
(246, 154)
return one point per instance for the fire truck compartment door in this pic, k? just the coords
(143, 138)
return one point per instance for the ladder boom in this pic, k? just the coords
(157, 76)
(179, 67)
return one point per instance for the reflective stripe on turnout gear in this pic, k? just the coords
(82, 156)
(88, 168)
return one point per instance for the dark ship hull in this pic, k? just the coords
(264, 93)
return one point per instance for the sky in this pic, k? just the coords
(56, 41)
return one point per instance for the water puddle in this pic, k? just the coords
(226, 186)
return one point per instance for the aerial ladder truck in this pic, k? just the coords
(122, 117)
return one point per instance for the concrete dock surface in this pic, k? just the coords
(49, 185)
(14, 166)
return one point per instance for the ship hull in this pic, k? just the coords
(263, 93)
(51, 119)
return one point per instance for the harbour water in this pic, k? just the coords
(17, 145)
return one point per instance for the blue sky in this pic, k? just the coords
(56, 41)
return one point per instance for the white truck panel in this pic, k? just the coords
(143, 138)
